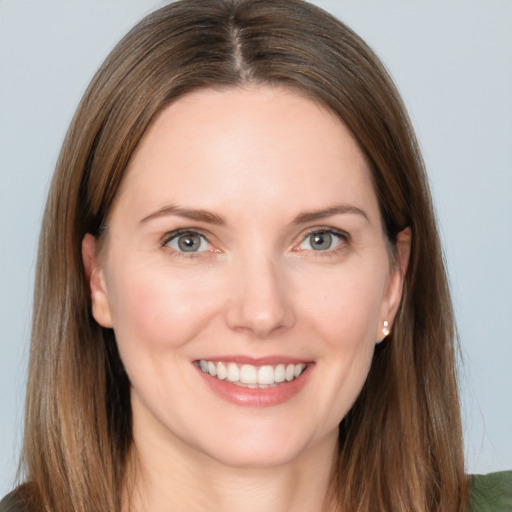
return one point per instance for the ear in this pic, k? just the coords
(96, 279)
(395, 285)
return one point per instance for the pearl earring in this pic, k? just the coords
(385, 329)
(385, 332)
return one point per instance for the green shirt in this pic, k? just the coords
(489, 493)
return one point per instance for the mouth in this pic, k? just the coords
(252, 376)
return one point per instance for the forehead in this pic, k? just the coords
(262, 144)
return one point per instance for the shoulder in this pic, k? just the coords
(18, 500)
(8, 504)
(491, 493)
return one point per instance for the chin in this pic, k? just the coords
(263, 447)
(256, 457)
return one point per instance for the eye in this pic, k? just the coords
(188, 241)
(322, 240)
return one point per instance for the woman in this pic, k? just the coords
(240, 296)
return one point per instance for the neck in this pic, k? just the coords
(165, 479)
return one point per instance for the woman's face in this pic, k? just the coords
(246, 276)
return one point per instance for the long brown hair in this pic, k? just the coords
(400, 446)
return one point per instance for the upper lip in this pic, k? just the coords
(256, 361)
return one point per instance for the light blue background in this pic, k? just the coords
(452, 61)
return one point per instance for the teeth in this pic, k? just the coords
(279, 373)
(233, 372)
(251, 376)
(212, 370)
(222, 371)
(266, 375)
(290, 372)
(248, 374)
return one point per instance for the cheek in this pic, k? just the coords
(345, 305)
(158, 311)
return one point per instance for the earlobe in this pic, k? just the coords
(96, 278)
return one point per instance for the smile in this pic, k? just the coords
(253, 377)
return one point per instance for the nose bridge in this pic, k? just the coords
(259, 301)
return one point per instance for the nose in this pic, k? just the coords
(259, 302)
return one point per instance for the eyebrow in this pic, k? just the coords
(199, 215)
(212, 218)
(315, 215)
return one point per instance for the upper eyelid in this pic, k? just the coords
(325, 229)
(170, 235)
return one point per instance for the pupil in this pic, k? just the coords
(189, 243)
(321, 241)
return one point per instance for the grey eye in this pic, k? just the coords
(320, 241)
(188, 242)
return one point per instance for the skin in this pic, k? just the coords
(257, 158)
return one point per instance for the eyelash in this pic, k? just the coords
(169, 237)
(343, 237)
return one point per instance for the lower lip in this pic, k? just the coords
(257, 397)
